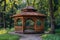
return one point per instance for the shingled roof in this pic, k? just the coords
(29, 11)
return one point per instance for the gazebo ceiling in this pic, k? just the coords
(29, 11)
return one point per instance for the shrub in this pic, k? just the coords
(51, 37)
(3, 31)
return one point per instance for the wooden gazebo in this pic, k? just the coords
(29, 13)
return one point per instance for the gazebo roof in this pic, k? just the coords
(29, 7)
(29, 11)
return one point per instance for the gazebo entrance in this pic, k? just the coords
(29, 21)
(29, 25)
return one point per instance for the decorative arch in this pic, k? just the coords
(38, 22)
(29, 22)
(18, 22)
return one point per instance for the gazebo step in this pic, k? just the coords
(29, 31)
(32, 32)
(18, 32)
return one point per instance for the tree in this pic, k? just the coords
(52, 17)
(2, 12)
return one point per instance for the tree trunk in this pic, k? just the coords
(4, 13)
(52, 17)
(34, 3)
(27, 3)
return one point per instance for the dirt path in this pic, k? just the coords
(28, 36)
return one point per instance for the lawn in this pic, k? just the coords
(9, 37)
(5, 36)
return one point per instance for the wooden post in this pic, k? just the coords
(23, 24)
(15, 22)
(42, 25)
(35, 23)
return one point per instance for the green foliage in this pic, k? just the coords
(51, 37)
(19, 22)
(38, 23)
(57, 31)
(29, 23)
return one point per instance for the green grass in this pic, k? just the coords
(50, 37)
(9, 37)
